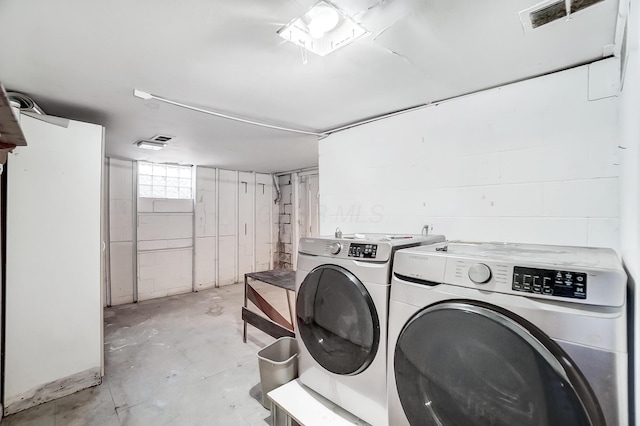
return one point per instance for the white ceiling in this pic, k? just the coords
(83, 59)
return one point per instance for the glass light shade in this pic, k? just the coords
(322, 29)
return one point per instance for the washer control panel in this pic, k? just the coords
(550, 282)
(480, 273)
(366, 251)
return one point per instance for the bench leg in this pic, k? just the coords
(244, 328)
(293, 324)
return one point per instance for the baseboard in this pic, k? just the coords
(54, 390)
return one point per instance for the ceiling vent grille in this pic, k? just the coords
(538, 16)
(162, 138)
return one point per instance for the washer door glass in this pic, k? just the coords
(469, 363)
(337, 320)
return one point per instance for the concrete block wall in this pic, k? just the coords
(285, 223)
(535, 161)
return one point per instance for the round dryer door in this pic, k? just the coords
(337, 320)
(470, 363)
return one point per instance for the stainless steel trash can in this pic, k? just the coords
(278, 365)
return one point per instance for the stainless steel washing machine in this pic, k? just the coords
(342, 296)
(507, 334)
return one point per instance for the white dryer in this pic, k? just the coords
(342, 296)
(507, 334)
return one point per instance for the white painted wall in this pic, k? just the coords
(228, 226)
(206, 228)
(308, 205)
(264, 214)
(246, 217)
(630, 181)
(165, 247)
(53, 294)
(165, 233)
(121, 199)
(534, 161)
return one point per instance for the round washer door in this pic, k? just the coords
(337, 320)
(470, 363)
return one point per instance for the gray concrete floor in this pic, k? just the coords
(178, 360)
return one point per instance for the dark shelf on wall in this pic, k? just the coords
(10, 132)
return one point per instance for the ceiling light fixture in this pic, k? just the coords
(151, 145)
(322, 29)
(322, 19)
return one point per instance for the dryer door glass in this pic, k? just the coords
(337, 320)
(470, 363)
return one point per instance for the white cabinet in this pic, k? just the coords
(53, 343)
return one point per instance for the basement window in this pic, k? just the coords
(164, 181)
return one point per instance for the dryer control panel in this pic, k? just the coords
(366, 251)
(550, 282)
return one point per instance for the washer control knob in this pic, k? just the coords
(480, 273)
(334, 248)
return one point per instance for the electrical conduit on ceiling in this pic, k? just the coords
(148, 96)
(320, 134)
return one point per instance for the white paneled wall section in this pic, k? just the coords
(229, 229)
(206, 228)
(121, 230)
(535, 161)
(630, 186)
(265, 211)
(165, 244)
(53, 335)
(246, 225)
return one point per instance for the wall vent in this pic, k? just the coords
(577, 5)
(550, 11)
(548, 14)
(162, 138)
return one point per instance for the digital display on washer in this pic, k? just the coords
(367, 251)
(550, 282)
